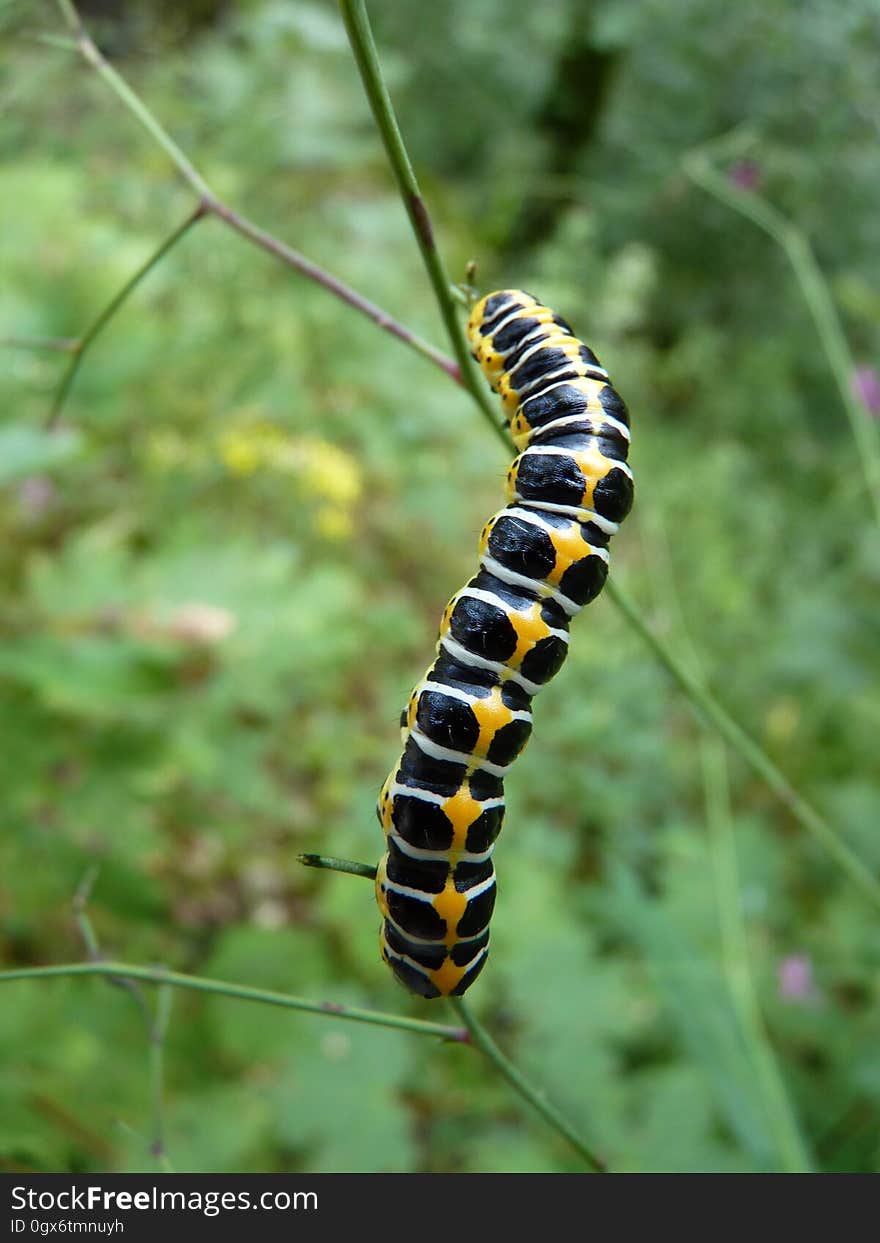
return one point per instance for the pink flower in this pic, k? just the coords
(796, 978)
(745, 175)
(866, 388)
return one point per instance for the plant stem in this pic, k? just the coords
(80, 347)
(481, 1039)
(736, 957)
(238, 992)
(708, 708)
(796, 246)
(360, 36)
(332, 284)
(332, 864)
(210, 204)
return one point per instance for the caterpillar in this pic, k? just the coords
(502, 637)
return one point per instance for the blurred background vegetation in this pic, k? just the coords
(222, 577)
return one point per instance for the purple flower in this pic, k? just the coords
(796, 978)
(745, 175)
(866, 388)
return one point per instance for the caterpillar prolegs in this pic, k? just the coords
(502, 637)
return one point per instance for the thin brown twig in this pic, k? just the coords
(211, 204)
(333, 284)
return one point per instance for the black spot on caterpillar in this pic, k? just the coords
(502, 637)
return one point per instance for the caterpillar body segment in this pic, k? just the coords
(502, 637)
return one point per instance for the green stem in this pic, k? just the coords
(710, 710)
(736, 957)
(332, 864)
(481, 1039)
(360, 36)
(238, 992)
(796, 246)
(79, 349)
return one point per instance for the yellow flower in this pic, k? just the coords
(324, 471)
(330, 472)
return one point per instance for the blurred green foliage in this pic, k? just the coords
(223, 576)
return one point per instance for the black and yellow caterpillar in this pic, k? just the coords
(502, 637)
